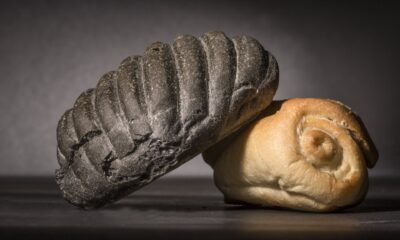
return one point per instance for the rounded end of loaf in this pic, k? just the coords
(304, 154)
(89, 193)
(82, 180)
(75, 193)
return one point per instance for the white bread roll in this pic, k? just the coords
(305, 154)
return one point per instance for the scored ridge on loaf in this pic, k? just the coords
(159, 110)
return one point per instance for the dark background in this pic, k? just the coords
(51, 51)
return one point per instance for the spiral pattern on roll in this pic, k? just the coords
(330, 143)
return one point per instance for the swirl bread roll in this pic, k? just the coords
(304, 154)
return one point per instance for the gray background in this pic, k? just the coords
(50, 51)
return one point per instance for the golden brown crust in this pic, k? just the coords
(306, 154)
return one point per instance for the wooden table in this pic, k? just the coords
(186, 208)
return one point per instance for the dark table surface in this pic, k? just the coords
(186, 208)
